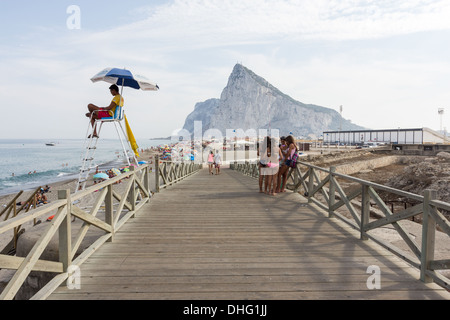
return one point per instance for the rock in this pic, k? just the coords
(443, 155)
(250, 102)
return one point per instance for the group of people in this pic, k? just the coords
(214, 161)
(40, 198)
(273, 164)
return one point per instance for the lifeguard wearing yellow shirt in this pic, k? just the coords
(99, 113)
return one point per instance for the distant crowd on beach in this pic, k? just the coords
(40, 198)
(275, 160)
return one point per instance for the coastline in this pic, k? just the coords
(61, 183)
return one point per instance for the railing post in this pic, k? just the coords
(310, 184)
(147, 181)
(65, 234)
(428, 236)
(296, 179)
(109, 211)
(132, 193)
(16, 229)
(365, 211)
(332, 193)
(156, 173)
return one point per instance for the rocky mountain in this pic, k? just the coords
(251, 102)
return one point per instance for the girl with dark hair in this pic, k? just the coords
(284, 170)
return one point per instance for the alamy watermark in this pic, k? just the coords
(74, 278)
(374, 281)
(73, 22)
(237, 145)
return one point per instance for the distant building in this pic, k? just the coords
(391, 136)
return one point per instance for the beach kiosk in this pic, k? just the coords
(122, 78)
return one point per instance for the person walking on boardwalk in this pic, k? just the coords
(211, 161)
(218, 161)
(96, 113)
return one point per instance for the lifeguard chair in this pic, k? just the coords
(123, 78)
(90, 145)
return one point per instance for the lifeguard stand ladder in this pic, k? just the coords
(90, 146)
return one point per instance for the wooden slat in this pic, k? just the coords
(93, 221)
(13, 263)
(405, 236)
(31, 259)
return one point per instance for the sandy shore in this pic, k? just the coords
(55, 186)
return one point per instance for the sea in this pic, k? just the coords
(28, 164)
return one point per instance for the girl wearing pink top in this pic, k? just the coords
(211, 162)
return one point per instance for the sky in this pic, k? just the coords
(385, 62)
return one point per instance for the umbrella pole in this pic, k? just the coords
(124, 136)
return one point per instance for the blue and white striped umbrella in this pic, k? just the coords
(124, 78)
(101, 175)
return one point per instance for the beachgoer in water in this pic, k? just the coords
(96, 113)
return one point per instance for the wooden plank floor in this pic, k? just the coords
(218, 238)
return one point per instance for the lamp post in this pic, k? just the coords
(340, 126)
(441, 114)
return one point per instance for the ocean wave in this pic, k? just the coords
(62, 174)
(31, 180)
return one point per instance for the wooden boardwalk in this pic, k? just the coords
(218, 238)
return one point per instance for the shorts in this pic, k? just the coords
(103, 114)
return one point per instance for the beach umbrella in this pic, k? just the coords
(116, 171)
(125, 78)
(101, 176)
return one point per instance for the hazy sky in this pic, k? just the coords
(387, 62)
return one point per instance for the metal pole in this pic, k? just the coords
(121, 141)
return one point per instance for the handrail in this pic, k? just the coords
(173, 172)
(333, 198)
(11, 208)
(118, 209)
